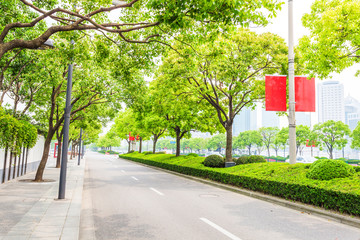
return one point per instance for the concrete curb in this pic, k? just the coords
(309, 209)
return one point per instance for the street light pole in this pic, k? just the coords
(62, 181)
(292, 122)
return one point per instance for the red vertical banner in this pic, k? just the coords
(304, 94)
(275, 93)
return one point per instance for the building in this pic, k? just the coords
(270, 119)
(352, 112)
(244, 121)
(303, 118)
(331, 101)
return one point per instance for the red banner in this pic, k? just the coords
(310, 144)
(275, 93)
(304, 94)
(131, 138)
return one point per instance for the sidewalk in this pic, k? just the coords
(31, 210)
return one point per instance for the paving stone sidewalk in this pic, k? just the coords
(31, 210)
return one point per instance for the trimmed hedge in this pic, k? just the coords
(278, 179)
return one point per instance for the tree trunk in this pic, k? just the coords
(10, 161)
(228, 153)
(23, 161)
(268, 148)
(129, 142)
(154, 143)
(140, 145)
(19, 161)
(249, 150)
(177, 143)
(58, 157)
(4, 169)
(44, 158)
(26, 161)
(14, 169)
(331, 153)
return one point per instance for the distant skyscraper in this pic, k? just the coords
(331, 101)
(270, 119)
(303, 118)
(244, 121)
(352, 112)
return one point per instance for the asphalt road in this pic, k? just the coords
(124, 200)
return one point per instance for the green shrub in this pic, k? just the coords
(214, 161)
(326, 169)
(192, 155)
(102, 151)
(357, 168)
(241, 160)
(256, 159)
(160, 153)
(147, 152)
(131, 151)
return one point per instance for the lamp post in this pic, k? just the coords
(62, 181)
(292, 122)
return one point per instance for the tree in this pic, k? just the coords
(355, 135)
(228, 73)
(124, 125)
(139, 21)
(282, 137)
(331, 135)
(217, 142)
(197, 144)
(302, 135)
(268, 135)
(182, 113)
(248, 139)
(333, 43)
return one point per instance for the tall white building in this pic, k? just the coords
(331, 101)
(244, 121)
(269, 119)
(352, 112)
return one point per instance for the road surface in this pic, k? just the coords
(124, 200)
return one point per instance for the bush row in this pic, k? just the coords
(290, 184)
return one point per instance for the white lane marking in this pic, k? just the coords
(135, 178)
(160, 193)
(220, 229)
(122, 171)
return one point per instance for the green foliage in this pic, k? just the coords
(192, 155)
(355, 136)
(333, 42)
(131, 151)
(147, 152)
(278, 179)
(268, 135)
(15, 134)
(247, 139)
(357, 168)
(160, 153)
(241, 160)
(256, 159)
(214, 161)
(326, 169)
(331, 135)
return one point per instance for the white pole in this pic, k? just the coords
(292, 123)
